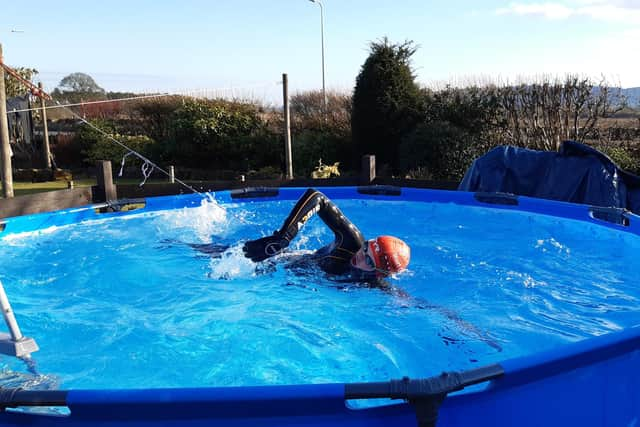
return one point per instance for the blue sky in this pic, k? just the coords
(172, 46)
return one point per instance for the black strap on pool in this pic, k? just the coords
(427, 394)
(254, 192)
(13, 397)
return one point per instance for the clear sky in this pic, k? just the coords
(170, 46)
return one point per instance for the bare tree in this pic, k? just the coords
(543, 114)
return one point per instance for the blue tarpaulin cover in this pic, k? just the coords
(577, 173)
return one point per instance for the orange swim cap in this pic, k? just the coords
(390, 254)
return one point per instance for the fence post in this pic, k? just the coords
(106, 189)
(5, 148)
(287, 127)
(368, 171)
(46, 150)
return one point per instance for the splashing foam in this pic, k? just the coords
(232, 264)
(202, 222)
(18, 239)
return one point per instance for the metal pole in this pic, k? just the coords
(46, 151)
(324, 90)
(287, 127)
(15, 344)
(5, 148)
(9, 318)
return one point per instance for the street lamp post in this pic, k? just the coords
(324, 91)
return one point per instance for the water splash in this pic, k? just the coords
(195, 224)
(21, 239)
(232, 264)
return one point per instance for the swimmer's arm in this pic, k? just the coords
(312, 202)
(214, 250)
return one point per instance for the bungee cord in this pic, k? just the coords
(132, 151)
(148, 166)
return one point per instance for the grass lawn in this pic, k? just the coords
(23, 188)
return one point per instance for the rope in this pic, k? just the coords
(147, 169)
(104, 101)
(192, 93)
(148, 166)
(131, 151)
(122, 164)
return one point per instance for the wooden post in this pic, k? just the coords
(368, 171)
(5, 148)
(106, 188)
(46, 151)
(287, 128)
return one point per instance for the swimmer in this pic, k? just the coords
(349, 253)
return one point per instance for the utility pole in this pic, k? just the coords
(287, 128)
(46, 151)
(5, 148)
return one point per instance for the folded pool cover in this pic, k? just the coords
(577, 173)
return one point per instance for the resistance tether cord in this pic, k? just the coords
(146, 161)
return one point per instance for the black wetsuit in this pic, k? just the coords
(334, 258)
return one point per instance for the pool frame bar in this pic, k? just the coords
(594, 382)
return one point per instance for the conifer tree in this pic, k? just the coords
(387, 102)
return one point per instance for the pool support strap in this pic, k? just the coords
(426, 395)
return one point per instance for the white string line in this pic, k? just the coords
(135, 98)
(145, 171)
(131, 151)
(51, 107)
(111, 138)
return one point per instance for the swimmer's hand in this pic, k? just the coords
(261, 249)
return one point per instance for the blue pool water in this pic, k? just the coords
(128, 302)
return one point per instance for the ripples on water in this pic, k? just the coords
(130, 303)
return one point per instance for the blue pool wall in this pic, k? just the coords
(594, 382)
(527, 204)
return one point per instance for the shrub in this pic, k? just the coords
(267, 172)
(458, 126)
(105, 149)
(66, 150)
(205, 133)
(319, 134)
(311, 145)
(438, 150)
(626, 158)
(387, 102)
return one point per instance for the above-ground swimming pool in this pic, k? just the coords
(157, 312)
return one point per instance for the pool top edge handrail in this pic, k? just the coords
(581, 212)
